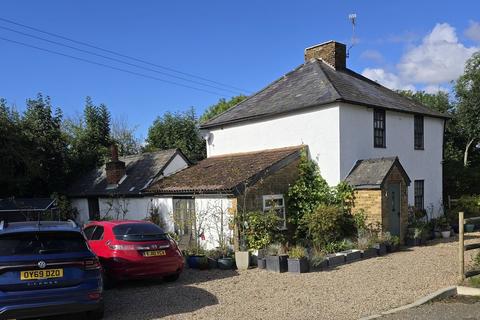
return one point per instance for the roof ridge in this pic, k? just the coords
(320, 63)
(293, 148)
(253, 95)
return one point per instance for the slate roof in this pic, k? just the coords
(226, 173)
(26, 204)
(371, 173)
(141, 170)
(313, 84)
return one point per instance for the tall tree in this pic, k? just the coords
(467, 89)
(41, 128)
(221, 106)
(177, 130)
(124, 136)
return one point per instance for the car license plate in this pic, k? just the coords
(154, 253)
(41, 274)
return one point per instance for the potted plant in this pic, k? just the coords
(445, 227)
(393, 244)
(276, 259)
(297, 260)
(212, 257)
(469, 227)
(365, 245)
(196, 258)
(318, 260)
(226, 262)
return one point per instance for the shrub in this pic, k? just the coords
(262, 229)
(323, 225)
(297, 252)
(275, 249)
(338, 246)
(470, 205)
(316, 258)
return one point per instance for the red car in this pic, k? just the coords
(133, 250)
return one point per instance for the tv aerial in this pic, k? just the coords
(353, 19)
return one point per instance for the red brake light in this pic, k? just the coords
(92, 264)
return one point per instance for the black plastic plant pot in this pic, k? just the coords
(335, 259)
(369, 253)
(298, 265)
(261, 263)
(381, 249)
(277, 263)
(225, 263)
(212, 263)
(351, 255)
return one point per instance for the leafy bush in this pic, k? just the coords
(214, 254)
(338, 246)
(275, 249)
(262, 229)
(323, 225)
(316, 258)
(297, 252)
(470, 205)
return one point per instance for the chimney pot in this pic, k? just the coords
(332, 52)
(114, 152)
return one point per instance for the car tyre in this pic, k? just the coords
(172, 278)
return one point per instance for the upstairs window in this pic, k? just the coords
(276, 202)
(379, 128)
(419, 194)
(418, 132)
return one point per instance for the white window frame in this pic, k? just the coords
(268, 208)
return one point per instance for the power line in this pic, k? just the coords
(114, 59)
(109, 66)
(120, 54)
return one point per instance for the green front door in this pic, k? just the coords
(394, 208)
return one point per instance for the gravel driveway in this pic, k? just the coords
(348, 292)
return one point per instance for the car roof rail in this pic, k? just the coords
(3, 224)
(73, 223)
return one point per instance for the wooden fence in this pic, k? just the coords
(462, 247)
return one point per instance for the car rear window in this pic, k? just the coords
(33, 243)
(139, 232)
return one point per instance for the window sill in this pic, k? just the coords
(420, 149)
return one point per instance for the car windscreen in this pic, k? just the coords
(33, 243)
(139, 232)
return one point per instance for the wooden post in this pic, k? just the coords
(461, 248)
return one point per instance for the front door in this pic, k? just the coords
(184, 221)
(394, 208)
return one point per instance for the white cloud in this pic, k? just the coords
(387, 79)
(434, 88)
(438, 59)
(473, 31)
(372, 55)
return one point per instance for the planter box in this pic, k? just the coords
(242, 260)
(391, 248)
(323, 265)
(469, 227)
(381, 249)
(369, 253)
(277, 263)
(351, 255)
(261, 263)
(335, 259)
(298, 265)
(225, 263)
(414, 242)
(197, 262)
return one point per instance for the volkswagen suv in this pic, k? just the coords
(46, 269)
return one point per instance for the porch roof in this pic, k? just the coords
(371, 173)
(227, 174)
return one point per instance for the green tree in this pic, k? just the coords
(177, 130)
(467, 89)
(124, 136)
(42, 130)
(439, 101)
(221, 106)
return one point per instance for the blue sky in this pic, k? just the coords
(246, 44)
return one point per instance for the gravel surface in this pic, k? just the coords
(347, 292)
(454, 308)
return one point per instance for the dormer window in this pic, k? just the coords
(418, 132)
(379, 140)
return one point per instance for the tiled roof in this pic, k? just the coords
(26, 204)
(315, 83)
(226, 173)
(141, 170)
(371, 173)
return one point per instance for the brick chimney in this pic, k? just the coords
(332, 52)
(115, 168)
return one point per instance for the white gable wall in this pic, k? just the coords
(177, 164)
(356, 142)
(318, 128)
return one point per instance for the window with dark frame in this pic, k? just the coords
(419, 194)
(418, 132)
(379, 128)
